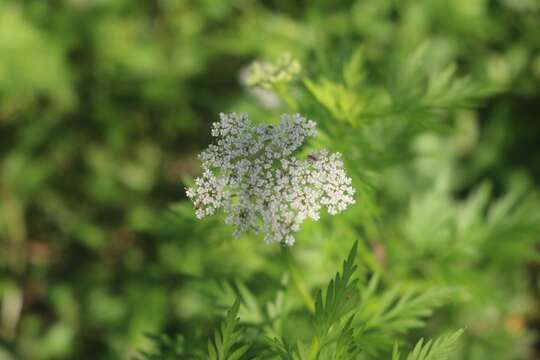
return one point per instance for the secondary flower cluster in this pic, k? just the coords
(251, 174)
(268, 74)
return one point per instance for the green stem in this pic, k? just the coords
(314, 349)
(282, 91)
(297, 282)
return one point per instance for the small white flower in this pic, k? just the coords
(252, 175)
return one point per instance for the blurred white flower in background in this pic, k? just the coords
(267, 74)
(251, 174)
(266, 81)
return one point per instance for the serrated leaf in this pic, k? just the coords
(227, 337)
(439, 349)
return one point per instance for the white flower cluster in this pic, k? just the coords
(267, 74)
(251, 174)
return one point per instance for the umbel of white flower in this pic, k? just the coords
(252, 175)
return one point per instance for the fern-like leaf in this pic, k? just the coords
(340, 298)
(439, 349)
(227, 337)
(393, 313)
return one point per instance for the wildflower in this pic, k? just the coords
(267, 74)
(252, 175)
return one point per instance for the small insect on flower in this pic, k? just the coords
(252, 175)
(313, 157)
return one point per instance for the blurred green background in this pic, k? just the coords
(105, 104)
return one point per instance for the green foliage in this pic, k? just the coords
(394, 313)
(349, 322)
(226, 338)
(165, 348)
(439, 349)
(104, 106)
(339, 300)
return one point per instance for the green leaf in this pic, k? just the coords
(392, 313)
(341, 296)
(226, 338)
(440, 349)
(353, 72)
